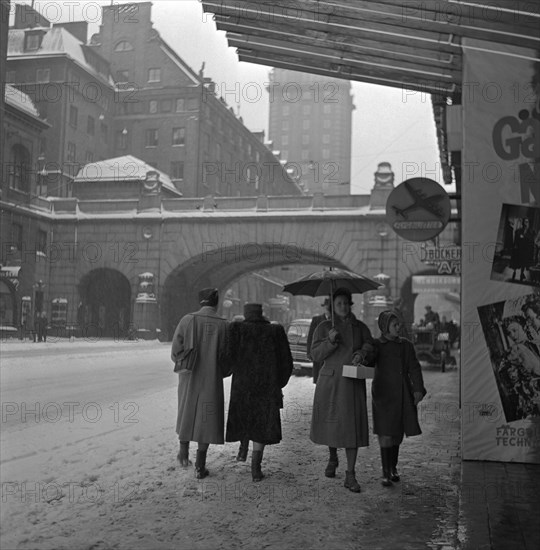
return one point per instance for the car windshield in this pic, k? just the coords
(298, 332)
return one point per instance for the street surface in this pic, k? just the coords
(93, 466)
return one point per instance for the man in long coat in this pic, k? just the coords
(261, 363)
(201, 415)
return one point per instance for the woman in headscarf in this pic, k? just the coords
(397, 388)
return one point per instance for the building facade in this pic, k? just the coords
(127, 92)
(310, 125)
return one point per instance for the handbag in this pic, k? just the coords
(188, 358)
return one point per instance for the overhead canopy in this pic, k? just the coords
(400, 43)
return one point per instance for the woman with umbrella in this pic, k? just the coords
(339, 408)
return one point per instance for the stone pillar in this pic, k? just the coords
(145, 312)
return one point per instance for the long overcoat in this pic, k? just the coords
(339, 417)
(201, 406)
(261, 363)
(397, 376)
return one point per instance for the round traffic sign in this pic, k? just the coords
(418, 209)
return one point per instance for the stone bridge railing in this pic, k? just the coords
(208, 204)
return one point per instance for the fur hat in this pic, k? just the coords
(253, 310)
(384, 320)
(208, 296)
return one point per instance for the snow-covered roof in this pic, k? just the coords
(20, 100)
(126, 168)
(56, 41)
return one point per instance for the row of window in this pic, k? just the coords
(306, 154)
(154, 75)
(307, 109)
(306, 139)
(306, 124)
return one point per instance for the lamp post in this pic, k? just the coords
(41, 173)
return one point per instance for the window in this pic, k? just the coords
(218, 151)
(193, 104)
(73, 116)
(91, 126)
(305, 154)
(326, 153)
(33, 41)
(19, 168)
(11, 76)
(327, 109)
(306, 124)
(326, 138)
(41, 241)
(180, 105)
(306, 109)
(43, 75)
(166, 106)
(285, 110)
(123, 46)
(104, 132)
(305, 140)
(284, 154)
(151, 138)
(17, 235)
(153, 106)
(178, 136)
(71, 151)
(154, 75)
(284, 140)
(177, 170)
(326, 123)
(122, 76)
(89, 157)
(121, 140)
(285, 125)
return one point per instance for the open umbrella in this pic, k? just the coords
(325, 282)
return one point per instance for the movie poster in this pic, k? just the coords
(500, 377)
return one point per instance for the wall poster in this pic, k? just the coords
(500, 377)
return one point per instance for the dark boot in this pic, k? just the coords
(200, 465)
(243, 450)
(386, 459)
(394, 476)
(333, 463)
(256, 459)
(351, 483)
(183, 455)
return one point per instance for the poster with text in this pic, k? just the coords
(500, 281)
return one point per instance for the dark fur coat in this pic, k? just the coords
(261, 363)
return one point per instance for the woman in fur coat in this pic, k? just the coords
(261, 362)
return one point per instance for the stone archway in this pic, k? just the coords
(220, 269)
(105, 309)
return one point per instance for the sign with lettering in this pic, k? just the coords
(446, 258)
(418, 209)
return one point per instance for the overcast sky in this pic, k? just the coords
(388, 124)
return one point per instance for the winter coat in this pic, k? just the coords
(201, 414)
(397, 376)
(315, 322)
(261, 363)
(339, 417)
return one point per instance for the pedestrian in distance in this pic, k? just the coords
(396, 390)
(339, 418)
(315, 322)
(41, 327)
(198, 351)
(261, 364)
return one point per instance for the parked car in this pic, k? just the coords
(297, 333)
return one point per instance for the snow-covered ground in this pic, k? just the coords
(83, 482)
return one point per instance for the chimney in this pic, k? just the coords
(79, 29)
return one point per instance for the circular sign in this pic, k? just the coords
(418, 209)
